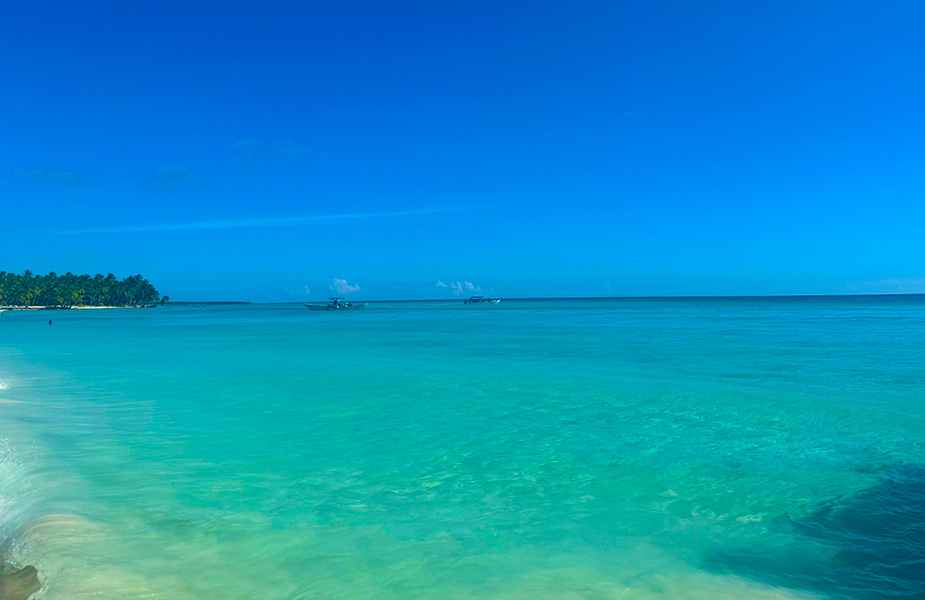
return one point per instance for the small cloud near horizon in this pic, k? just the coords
(342, 287)
(459, 287)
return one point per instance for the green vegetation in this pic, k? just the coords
(75, 290)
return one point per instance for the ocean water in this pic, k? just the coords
(764, 448)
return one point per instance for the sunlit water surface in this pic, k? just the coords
(633, 449)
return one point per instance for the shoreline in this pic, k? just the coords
(5, 308)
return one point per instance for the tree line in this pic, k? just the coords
(76, 290)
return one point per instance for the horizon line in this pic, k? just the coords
(704, 297)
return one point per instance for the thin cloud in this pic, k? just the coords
(250, 149)
(59, 177)
(257, 223)
(168, 179)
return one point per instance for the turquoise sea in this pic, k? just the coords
(733, 448)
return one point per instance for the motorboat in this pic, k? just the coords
(335, 304)
(481, 300)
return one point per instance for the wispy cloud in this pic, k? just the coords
(250, 149)
(258, 223)
(168, 179)
(51, 176)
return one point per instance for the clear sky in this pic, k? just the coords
(281, 150)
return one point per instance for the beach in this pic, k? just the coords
(76, 307)
(543, 449)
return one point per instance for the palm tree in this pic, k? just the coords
(69, 290)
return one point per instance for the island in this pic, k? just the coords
(53, 291)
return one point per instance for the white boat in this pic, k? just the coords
(481, 300)
(335, 304)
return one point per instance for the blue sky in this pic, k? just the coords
(279, 150)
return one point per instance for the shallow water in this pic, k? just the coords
(688, 448)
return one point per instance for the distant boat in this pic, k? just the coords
(335, 304)
(481, 300)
